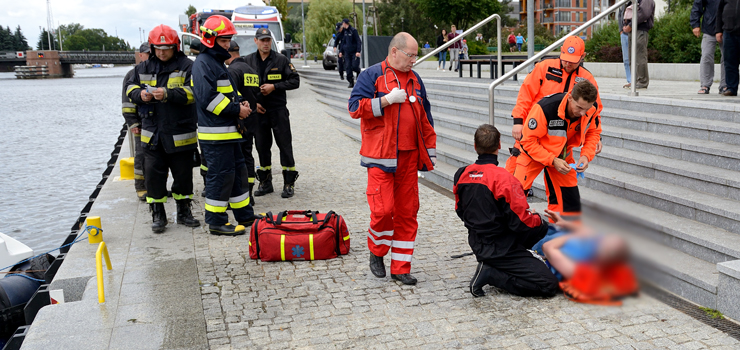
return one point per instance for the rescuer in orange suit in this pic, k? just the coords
(398, 139)
(550, 76)
(555, 125)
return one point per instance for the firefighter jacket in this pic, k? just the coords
(548, 77)
(379, 126)
(170, 121)
(215, 97)
(493, 206)
(549, 134)
(128, 108)
(279, 72)
(246, 82)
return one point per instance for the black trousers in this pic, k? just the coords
(340, 65)
(139, 182)
(158, 164)
(351, 64)
(226, 183)
(277, 123)
(520, 273)
(247, 146)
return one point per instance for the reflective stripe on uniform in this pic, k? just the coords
(218, 133)
(178, 197)
(379, 241)
(560, 133)
(146, 135)
(239, 201)
(432, 152)
(151, 200)
(382, 233)
(148, 79)
(176, 80)
(218, 104)
(251, 180)
(390, 163)
(132, 88)
(185, 139)
(269, 167)
(224, 86)
(290, 168)
(403, 244)
(216, 206)
(401, 257)
(189, 94)
(128, 107)
(203, 167)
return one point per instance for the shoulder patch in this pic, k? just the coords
(532, 124)
(292, 68)
(580, 79)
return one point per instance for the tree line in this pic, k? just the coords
(75, 37)
(12, 41)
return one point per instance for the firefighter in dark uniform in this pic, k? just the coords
(160, 87)
(246, 81)
(351, 48)
(219, 110)
(338, 50)
(133, 121)
(276, 75)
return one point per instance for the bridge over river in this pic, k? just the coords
(58, 62)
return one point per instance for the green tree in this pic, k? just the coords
(43, 42)
(671, 36)
(282, 7)
(21, 44)
(94, 40)
(415, 22)
(321, 20)
(605, 44)
(190, 10)
(6, 40)
(462, 13)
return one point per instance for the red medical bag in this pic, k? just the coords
(298, 235)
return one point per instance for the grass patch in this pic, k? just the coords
(712, 313)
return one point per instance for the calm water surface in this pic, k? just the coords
(55, 139)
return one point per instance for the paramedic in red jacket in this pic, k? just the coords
(501, 228)
(398, 139)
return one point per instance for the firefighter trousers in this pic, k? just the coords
(139, 182)
(226, 183)
(247, 147)
(158, 164)
(277, 123)
(519, 272)
(562, 190)
(394, 204)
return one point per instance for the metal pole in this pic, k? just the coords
(633, 49)
(48, 36)
(499, 67)
(530, 30)
(544, 52)
(303, 26)
(365, 62)
(59, 34)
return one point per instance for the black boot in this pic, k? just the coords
(289, 177)
(405, 278)
(480, 280)
(377, 267)
(184, 215)
(265, 179)
(159, 217)
(351, 84)
(251, 197)
(227, 230)
(341, 76)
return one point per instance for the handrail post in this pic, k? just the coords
(633, 54)
(517, 69)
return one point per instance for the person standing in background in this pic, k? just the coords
(646, 16)
(706, 11)
(133, 121)
(512, 42)
(454, 49)
(441, 40)
(728, 33)
(625, 40)
(519, 42)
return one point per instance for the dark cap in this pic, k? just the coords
(233, 47)
(144, 48)
(346, 20)
(262, 33)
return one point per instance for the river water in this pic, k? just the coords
(56, 136)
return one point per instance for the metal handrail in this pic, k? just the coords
(547, 50)
(461, 36)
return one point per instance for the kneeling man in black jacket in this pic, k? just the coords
(501, 227)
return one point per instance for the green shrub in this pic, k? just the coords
(605, 44)
(477, 48)
(671, 36)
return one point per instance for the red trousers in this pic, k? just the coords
(394, 203)
(562, 190)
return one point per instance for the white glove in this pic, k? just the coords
(396, 96)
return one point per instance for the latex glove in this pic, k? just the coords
(579, 175)
(396, 96)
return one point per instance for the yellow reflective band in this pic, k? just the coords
(178, 197)
(189, 95)
(290, 168)
(203, 167)
(220, 106)
(269, 167)
(282, 247)
(190, 141)
(138, 177)
(152, 83)
(129, 109)
(175, 82)
(346, 237)
(151, 200)
(225, 89)
(251, 80)
(219, 137)
(274, 76)
(215, 209)
(251, 180)
(191, 83)
(250, 243)
(132, 88)
(241, 204)
(145, 139)
(310, 245)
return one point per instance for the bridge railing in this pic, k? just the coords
(97, 56)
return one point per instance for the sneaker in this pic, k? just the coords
(437, 67)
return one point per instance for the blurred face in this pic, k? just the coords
(345, 25)
(569, 67)
(223, 42)
(143, 56)
(404, 59)
(264, 45)
(577, 109)
(164, 55)
(444, 32)
(612, 249)
(453, 28)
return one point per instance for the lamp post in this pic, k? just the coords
(303, 26)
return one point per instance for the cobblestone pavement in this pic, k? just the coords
(338, 304)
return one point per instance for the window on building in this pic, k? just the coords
(581, 3)
(563, 16)
(581, 17)
(563, 3)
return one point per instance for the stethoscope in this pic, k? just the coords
(412, 98)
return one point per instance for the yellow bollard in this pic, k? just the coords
(102, 252)
(127, 168)
(94, 230)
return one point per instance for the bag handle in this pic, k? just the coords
(307, 213)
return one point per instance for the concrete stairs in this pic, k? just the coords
(667, 177)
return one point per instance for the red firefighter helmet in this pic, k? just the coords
(215, 26)
(163, 35)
